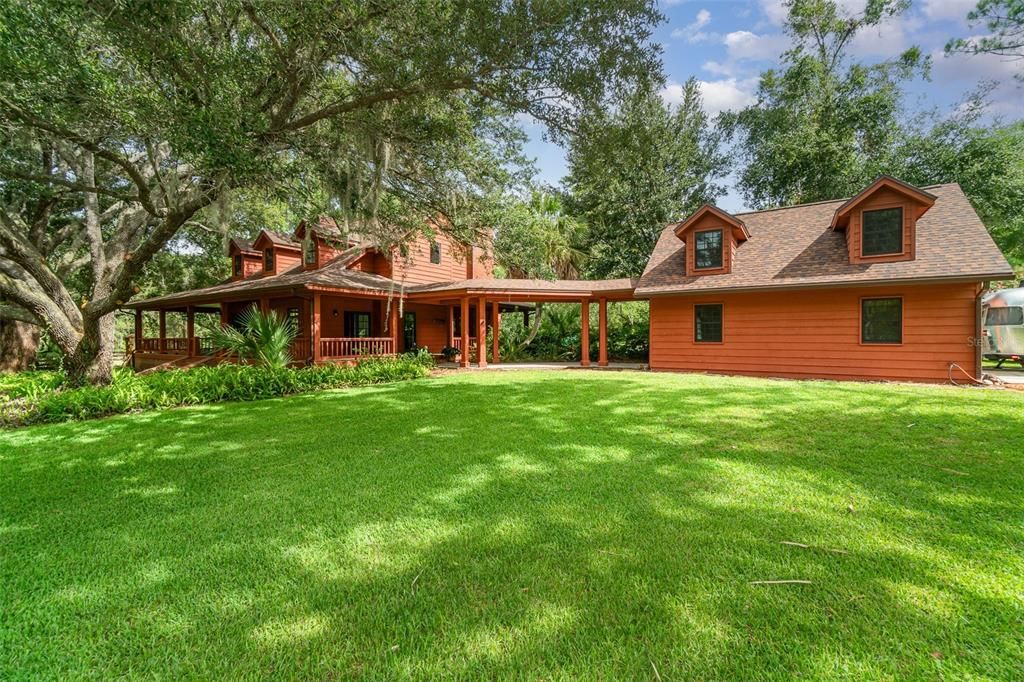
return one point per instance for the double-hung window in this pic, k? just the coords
(882, 232)
(707, 323)
(881, 320)
(708, 249)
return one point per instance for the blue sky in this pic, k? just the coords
(725, 45)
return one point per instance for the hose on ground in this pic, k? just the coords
(967, 374)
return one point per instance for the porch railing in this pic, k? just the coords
(357, 347)
(457, 342)
(302, 349)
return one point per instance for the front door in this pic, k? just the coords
(409, 331)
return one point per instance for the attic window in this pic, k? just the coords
(708, 249)
(882, 232)
(309, 252)
(435, 253)
(268, 260)
(238, 264)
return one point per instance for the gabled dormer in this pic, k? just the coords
(322, 243)
(277, 253)
(245, 260)
(711, 237)
(881, 222)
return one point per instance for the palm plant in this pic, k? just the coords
(264, 338)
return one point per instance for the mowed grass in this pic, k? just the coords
(524, 525)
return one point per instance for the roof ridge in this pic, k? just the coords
(833, 201)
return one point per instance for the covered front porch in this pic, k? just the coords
(330, 327)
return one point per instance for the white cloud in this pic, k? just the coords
(888, 39)
(948, 9)
(719, 96)
(692, 32)
(748, 45)
(775, 10)
(973, 67)
(718, 68)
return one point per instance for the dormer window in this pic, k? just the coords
(882, 232)
(708, 249)
(237, 265)
(309, 252)
(712, 238)
(268, 260)
(435, 253)
(881, 221)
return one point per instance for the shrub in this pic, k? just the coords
(265, 338)
(131, 392)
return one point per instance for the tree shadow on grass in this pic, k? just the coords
(557, 526)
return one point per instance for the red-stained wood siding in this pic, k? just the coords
(816, 333)
(285, 259)
(417, 268)
(332, 314)
(281, 306)
(251, 265)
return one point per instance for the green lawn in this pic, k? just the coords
(526, 525)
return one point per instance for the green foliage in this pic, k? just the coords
(558, 339)
(988, 162)
(824, 126)
(538, 239)
(1004, 21)
(636, 169)
(130, 392)
(261, 337)
(30, 385)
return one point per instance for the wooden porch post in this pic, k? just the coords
(602, 332)
(264, 305)
(585, 333)
(163, 330)
(138, 330)
(451, 325)
(464, 323)
(481, 332)
(224, 321)
(314, 330)
(190, 330)
(495, 331)
(393, 324)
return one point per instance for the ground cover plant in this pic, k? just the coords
(37, 397)
(523, 525)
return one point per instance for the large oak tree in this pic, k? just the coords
(150, 111)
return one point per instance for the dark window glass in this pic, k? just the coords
(707, 319)
(238, 264)
(293, 318)
(268, 259)
(435, 253)
(882, 232)
(881, 320)
(310, 252)
(409, 330)
(357, 324)
(709, 249)
(1004, 317)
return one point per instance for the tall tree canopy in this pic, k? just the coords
(636, 168)
(142, 114)
(538, 238)
(824, 125)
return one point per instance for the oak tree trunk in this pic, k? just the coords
(92, 360)
(19, 343)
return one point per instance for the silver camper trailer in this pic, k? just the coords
(1003, 325)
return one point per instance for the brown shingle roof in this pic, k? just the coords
(795, 247)
(520, 285)
(334, 274)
